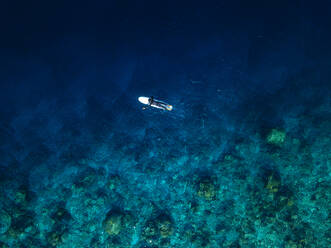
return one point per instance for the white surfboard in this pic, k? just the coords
(143, 99)
(156, 104)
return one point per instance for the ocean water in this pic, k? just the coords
(242, 160)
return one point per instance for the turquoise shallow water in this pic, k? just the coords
(256, 175)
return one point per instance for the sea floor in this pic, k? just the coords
(219, 172)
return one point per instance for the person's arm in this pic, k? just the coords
(151, 100)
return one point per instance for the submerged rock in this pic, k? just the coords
(114, 182)
(276, 137)
(20, 196)
(165, 225)
(150, 232)
(273, 183)
(5, 221)
(116, 221)
(207, 189)
(54, 239)
(157, 229)
(113, 224)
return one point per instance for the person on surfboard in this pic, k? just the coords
(150, 101)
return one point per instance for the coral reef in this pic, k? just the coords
(207, 177)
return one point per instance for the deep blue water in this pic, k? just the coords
(242, 160)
